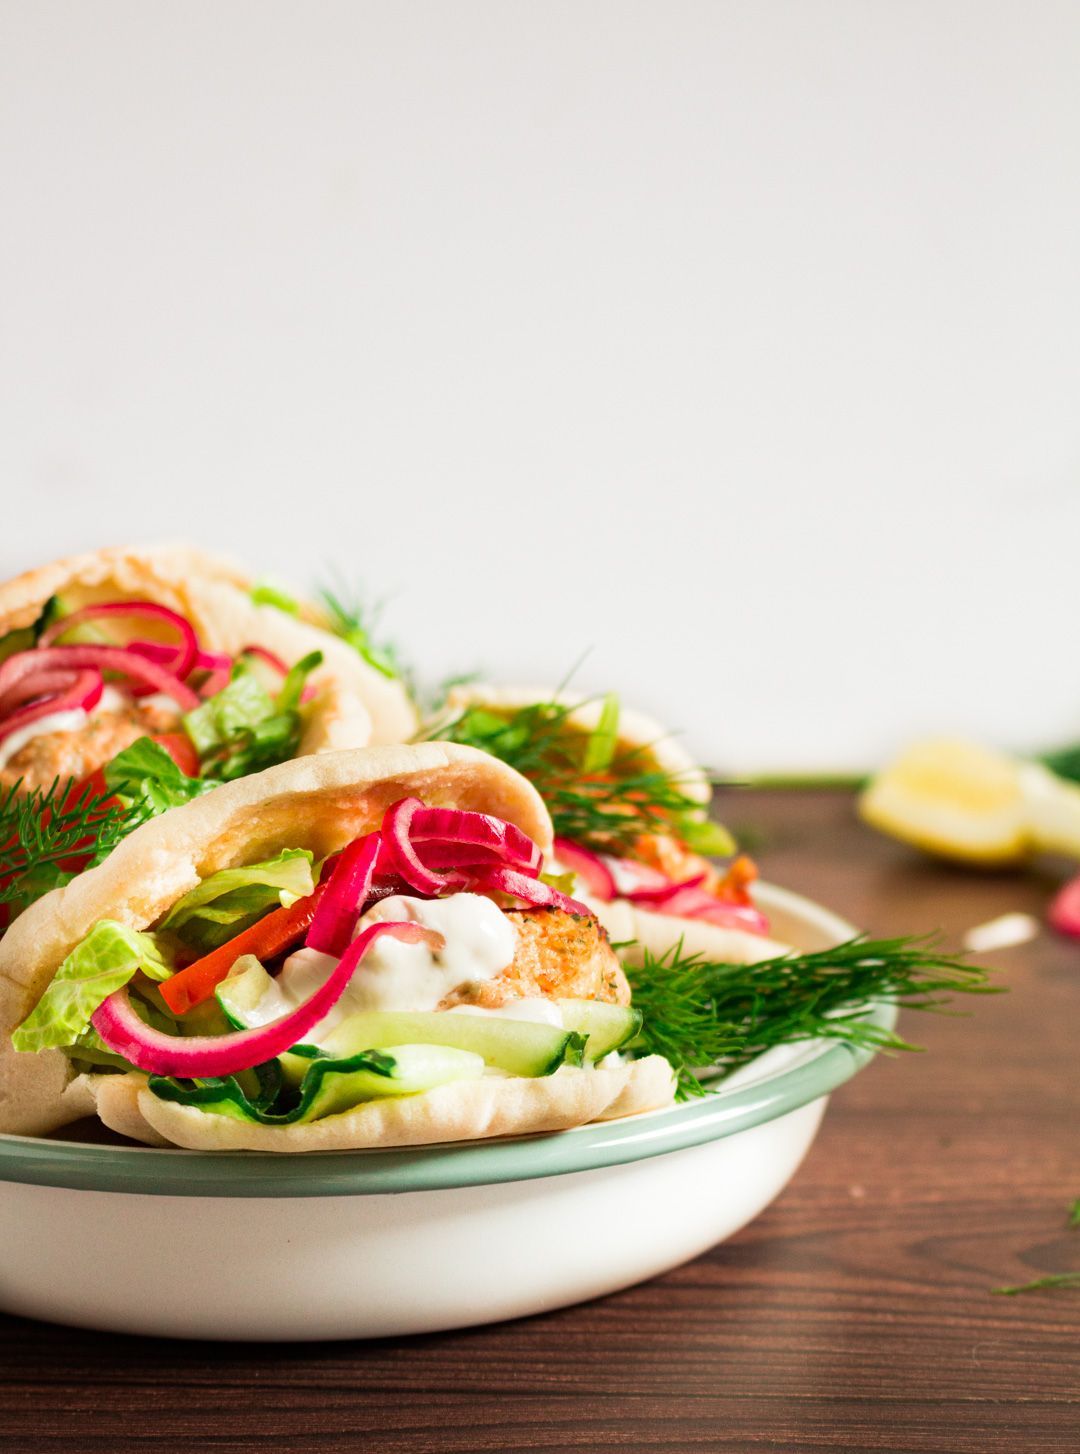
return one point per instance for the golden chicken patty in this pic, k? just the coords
(558, 956)
(77, 754)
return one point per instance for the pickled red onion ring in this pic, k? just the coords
(588, 866)
(150, 1050)
(270, 657)
(182, 654)
(478, 830)
(346, 891)
(1064, 913)
(535, 893)
(81, 693)
(402, 856)
(100, 658)
(663, 893)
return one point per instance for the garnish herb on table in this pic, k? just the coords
(1052, 1281)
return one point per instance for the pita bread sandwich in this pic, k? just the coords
(146, 676)
(348, 950)
(630, 813)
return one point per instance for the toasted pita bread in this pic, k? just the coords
(660, 933)
(653, 745)
(464, 1111)
(354, 704)
(320, 803)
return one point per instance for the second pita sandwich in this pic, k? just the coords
(630, 813)
(132, 680)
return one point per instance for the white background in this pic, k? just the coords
(737, 341)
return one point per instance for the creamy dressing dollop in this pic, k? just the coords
(112, 700)
(54, 722)
(480, 943)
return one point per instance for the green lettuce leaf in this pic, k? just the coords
(266, 593)
(145, 774)
(229, 901)
(104, 962)
(243, 729)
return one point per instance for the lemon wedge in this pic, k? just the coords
(964, 801)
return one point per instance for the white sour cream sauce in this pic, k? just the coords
(393, 975)
(54, 722)
(112, 700)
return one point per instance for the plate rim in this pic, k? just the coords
(170, 1171)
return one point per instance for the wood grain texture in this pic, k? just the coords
(853, 1315)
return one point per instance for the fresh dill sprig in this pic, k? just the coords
(690, 1004)
(596, 794)
(41, 830)
(679, 1018)
(1040, 1284)
(1052, 1279)
(356, 620)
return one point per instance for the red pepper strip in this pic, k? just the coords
(269, 937)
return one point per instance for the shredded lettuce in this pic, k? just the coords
(104, 962)
(243, 729)
(266, 593)
(603, 741)
(231, 900)
(703, 835)
(145, 774)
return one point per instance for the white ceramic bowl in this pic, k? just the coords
(239, 1245)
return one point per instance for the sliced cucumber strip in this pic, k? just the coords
(607, 1026)
(331, 1087)
(521, 1047)
(241, 992)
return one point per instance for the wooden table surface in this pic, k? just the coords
(854, 1314)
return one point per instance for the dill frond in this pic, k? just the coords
(1040, 1284)
(42, 829)
(356, 620)
(596, 794)
(691, 1003)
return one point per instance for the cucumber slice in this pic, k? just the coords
(241, 992)
(15, 641)
(607, 1026)
(411, 1070)
(86, 633)
(24, 638)
(237, 997)
(521, 1047)
(329, 1086)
